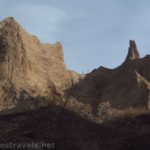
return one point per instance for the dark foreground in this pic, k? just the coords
(65, 130)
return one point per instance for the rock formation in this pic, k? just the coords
(32, 74)
(28, 65)
(132, 52)
(117, 86)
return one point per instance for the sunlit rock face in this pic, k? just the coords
(29, 65)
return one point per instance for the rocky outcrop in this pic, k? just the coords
(119, 87)
(132, 52)
(29, 65)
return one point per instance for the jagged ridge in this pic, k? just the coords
(119, 87)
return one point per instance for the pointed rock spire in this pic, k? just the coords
(132, 52)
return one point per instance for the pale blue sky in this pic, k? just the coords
(92, 32)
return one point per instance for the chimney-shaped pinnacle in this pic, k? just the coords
(132, 51)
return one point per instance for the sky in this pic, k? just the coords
(93, 33)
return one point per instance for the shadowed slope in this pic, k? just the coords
(117, 86)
